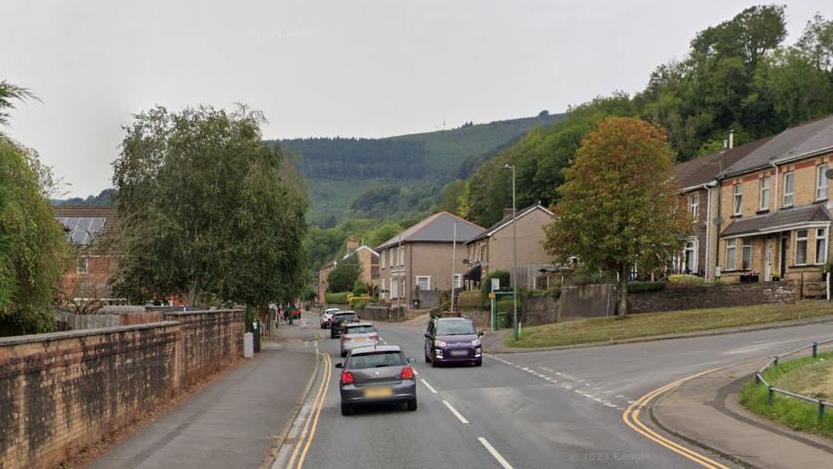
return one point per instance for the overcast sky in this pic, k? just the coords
(327, 68)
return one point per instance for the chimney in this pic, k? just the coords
(352, 244)
(731, 139)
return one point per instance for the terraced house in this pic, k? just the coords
(775, 207)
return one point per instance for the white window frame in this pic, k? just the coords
(423, 278)
(801, 239)
(746, 247)
(383, 258)
(789, 189)
(383, 291)
(401, 256)
(690, 246)
(764, 194)
(737, 199)
(821, 242)
(694, 205)
(821, 181)
(458, 280)
(731, 254)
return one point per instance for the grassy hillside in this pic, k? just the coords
(340, 171)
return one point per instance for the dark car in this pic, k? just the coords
(379, 374)
(338, 321)
(453, 340)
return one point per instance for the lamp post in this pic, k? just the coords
(514, 276)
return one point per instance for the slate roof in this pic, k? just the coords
(507, 220)
(803, 140)
(437, 228)
(85, 224)
(705, 169)
(761, 224)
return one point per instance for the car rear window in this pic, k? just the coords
(375, 360)
(346, 317)
(361, 329)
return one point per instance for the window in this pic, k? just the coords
(746, 255)
(423, 282)
(83, 265)
(764, 198)
(821, 245)
(800, 247)
(694, 205)
(690, 257)
(394, 287)
(402, 255)
(737, 199)
(383, 290)
(731, 251)
(789, 188)
(821, 182)
(390, 257)
(458, 280)
(383, 259)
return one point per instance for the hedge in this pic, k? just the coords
(355, 301)
(636, 287)
(337, 298)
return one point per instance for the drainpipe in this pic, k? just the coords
(709, 275)
(777, 180)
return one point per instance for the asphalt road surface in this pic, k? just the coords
(529, 410)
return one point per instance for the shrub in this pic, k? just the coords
(358, 300)
(336, 298)
(486, 284)
(637, 287)
(360, 289)
(685, 279)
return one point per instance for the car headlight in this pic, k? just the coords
(476, 342)
(439, 343)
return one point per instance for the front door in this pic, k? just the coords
(770, 247)
(783, 263)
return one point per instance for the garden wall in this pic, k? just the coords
(717, 296)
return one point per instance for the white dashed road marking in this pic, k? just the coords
(500, 459)
(454, 411)
(430, 388)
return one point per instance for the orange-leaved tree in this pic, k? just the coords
(618, 205)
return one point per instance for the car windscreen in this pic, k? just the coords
(375, 360)
(361, 329)
(455, 328)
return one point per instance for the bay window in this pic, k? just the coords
(731, 253)
(821, 245)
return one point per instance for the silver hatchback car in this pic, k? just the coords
(358, 334)
(378, 374)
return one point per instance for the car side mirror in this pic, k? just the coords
(410, 359)
(339, 365)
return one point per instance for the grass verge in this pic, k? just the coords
(808, 376)
(671, 322)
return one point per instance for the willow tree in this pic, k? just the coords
(618, 206)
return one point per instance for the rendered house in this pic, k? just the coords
(417, 263)
(367, 258)
(492, 250)
(775, 209)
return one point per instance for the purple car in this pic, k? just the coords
(453, 340)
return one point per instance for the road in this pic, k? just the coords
(529, 410)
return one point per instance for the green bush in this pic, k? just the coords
(637, 287)
(685, 279)
(486, 284)
(356, 300)
(360, 289)
(336, 298)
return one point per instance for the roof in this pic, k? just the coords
(779, 221)
(796, 142)
(363, 247)
(507, 221)
(438, 228)
(84, 224)
(705, 169)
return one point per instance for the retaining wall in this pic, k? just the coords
(717, 296)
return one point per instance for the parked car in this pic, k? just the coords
(358, 334)
(453, 340)
(338, 321)
(375, 375)
(327, 316)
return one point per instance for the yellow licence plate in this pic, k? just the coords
(378, 392)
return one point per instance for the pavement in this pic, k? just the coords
(707, 410)
(234, 421)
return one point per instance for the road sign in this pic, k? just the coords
(492, 295)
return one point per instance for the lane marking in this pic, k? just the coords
(500, 459)
(631, 419)
(315, 412)
(310, 412)
(430, 388)
(454, 411)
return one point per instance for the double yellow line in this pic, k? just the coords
(631, 418)
(308, 434)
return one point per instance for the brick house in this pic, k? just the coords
(700, 195)
(417, 264)
(368, 260)
(775, 208)
(92, 233)
(492, 250)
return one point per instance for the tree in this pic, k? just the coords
(207, 210)
(343, 278)
(8, 93)
(33, 248)
(618, 206)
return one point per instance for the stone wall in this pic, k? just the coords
(73, 322)
(586, 301)
(63, 391)
(736, 294)
(539, 310)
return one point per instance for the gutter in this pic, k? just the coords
(800, 156)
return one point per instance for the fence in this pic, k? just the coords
(772, 390)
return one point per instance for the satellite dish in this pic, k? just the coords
(829, 174)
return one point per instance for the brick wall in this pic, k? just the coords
(738, 294)
(63, 391)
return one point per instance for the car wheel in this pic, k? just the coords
(434, 363)
(411, 404)
(346, 409)
(478, 362)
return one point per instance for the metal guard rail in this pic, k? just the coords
(772, 390)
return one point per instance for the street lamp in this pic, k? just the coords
(514, 277)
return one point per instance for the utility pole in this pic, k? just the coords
(453, 263)
(514, 276)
